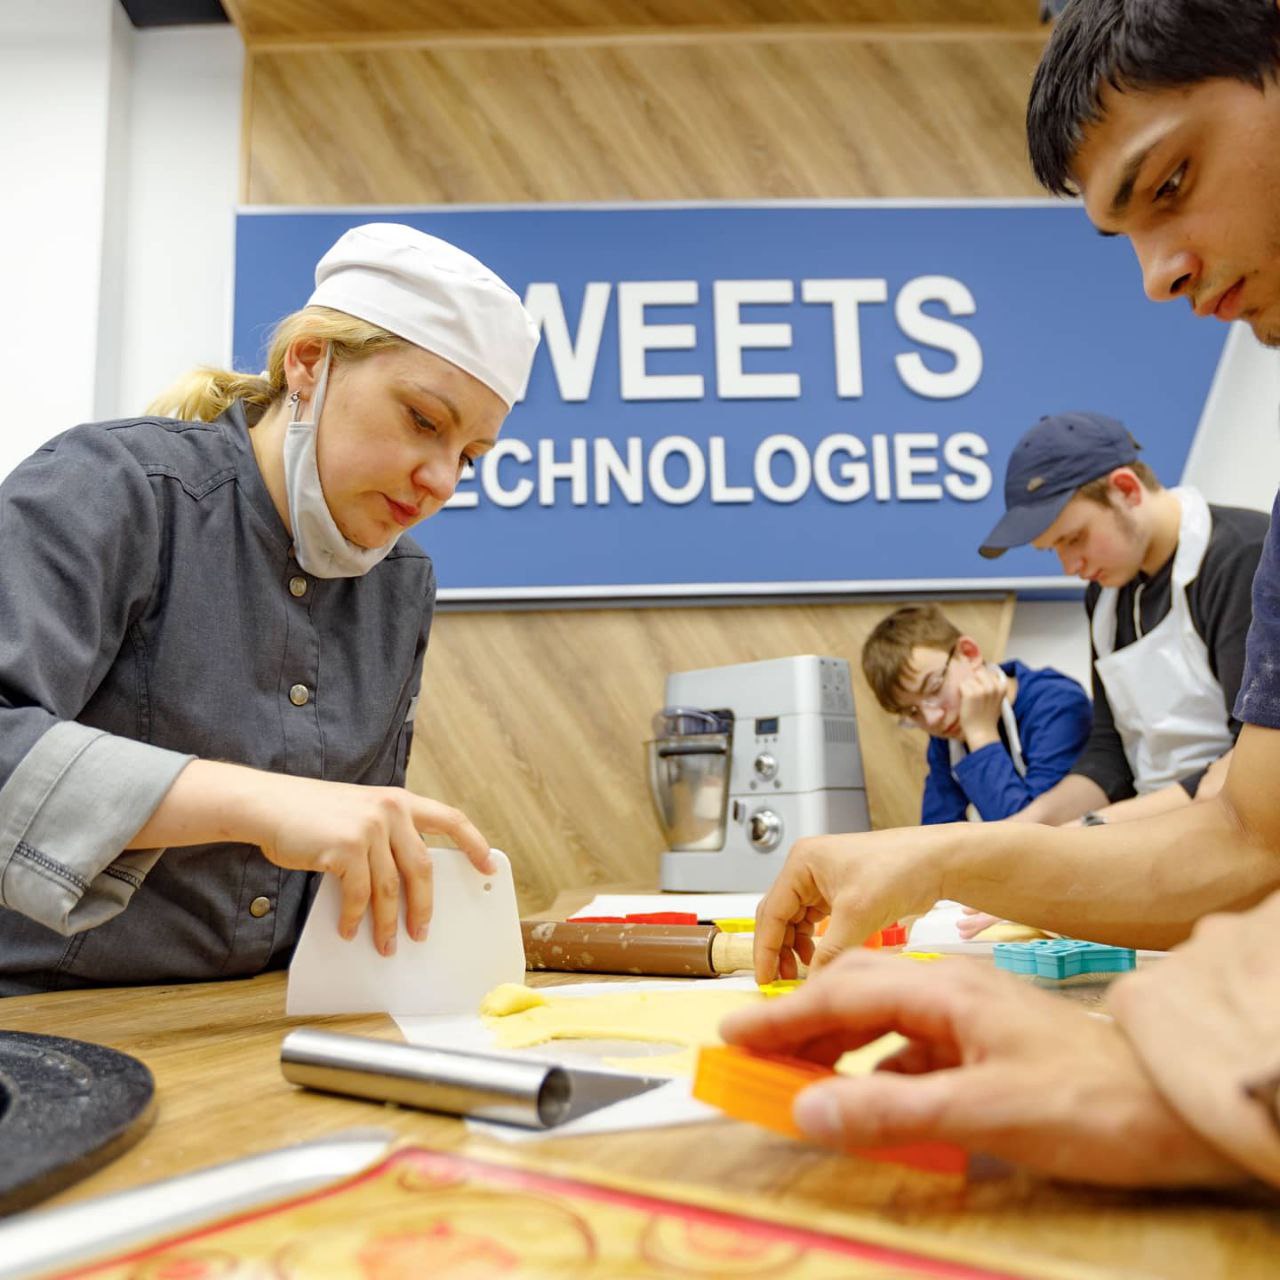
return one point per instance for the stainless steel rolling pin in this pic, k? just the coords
(535, 1095)
(655, 950)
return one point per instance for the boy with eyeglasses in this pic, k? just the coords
(999, 735)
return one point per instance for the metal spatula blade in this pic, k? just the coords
(524, 1092)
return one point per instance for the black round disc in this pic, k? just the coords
(66, 1109)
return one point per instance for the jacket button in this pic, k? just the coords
(259, 907)
(297, 585)
(299, 695)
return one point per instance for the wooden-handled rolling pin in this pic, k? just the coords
(654, 950)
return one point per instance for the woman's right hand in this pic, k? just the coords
(370, 839)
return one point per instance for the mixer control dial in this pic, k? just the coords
(766, 766)
(765, 829)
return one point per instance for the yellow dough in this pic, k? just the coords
(689, 1019)
(1008, 931)
(510, 997)
(862, 1062)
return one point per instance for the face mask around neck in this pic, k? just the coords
(318, 543)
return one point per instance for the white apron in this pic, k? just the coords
(958, 750)
(1168, 706)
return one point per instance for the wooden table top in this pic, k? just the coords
(214, 1051)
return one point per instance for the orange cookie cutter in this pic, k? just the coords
(762, 1088)
(892, 935)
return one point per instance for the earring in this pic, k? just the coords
(294, 397)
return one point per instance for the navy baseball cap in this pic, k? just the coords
(1058, 455)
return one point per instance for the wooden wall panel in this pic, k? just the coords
(261, 20)
(535, 722)
(824, 116)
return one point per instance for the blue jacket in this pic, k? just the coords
(1053, 714)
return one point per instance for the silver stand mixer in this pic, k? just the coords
(747, 759)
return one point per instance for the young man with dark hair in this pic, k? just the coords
(1165, 116)
(999, 736)
(1169, 581)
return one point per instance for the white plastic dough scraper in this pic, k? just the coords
(472, 945)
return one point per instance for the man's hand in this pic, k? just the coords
(863, 882)
(993, 1065)
(981, 695)
(1206, 1020)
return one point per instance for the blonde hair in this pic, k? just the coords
(887, 652)
(206, 392)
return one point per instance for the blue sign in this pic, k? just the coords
(775, 398)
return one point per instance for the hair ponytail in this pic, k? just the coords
(206, 392)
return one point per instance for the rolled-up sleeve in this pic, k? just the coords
(66, 813)
(79, 531)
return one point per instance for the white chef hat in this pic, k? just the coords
(434, 295)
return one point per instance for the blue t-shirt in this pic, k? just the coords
(1053, 714)
(1258, 701)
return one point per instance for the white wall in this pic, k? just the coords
(119, 245)
(1051, 633)
(58, 77)
(1235, 457)
(121, 172)
(183, 186)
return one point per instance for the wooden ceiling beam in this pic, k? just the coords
(263, 22)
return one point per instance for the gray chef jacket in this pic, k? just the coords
(151, 611)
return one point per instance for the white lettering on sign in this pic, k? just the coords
(845, 296)
(970, 478)
(573, 360)
(695, 465)
(844, 481)
(734, 335)
(722, 492)
(551, 469)
(663, 316)
(880, 468)
(909, 461)
(945, 335)
(909, 466)
(801, 469)
(951, 366)
(491, 476)
(611, 469)
(637, 337)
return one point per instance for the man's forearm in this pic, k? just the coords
(1205, 1022)
(1074, 796)
(1139, 884)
